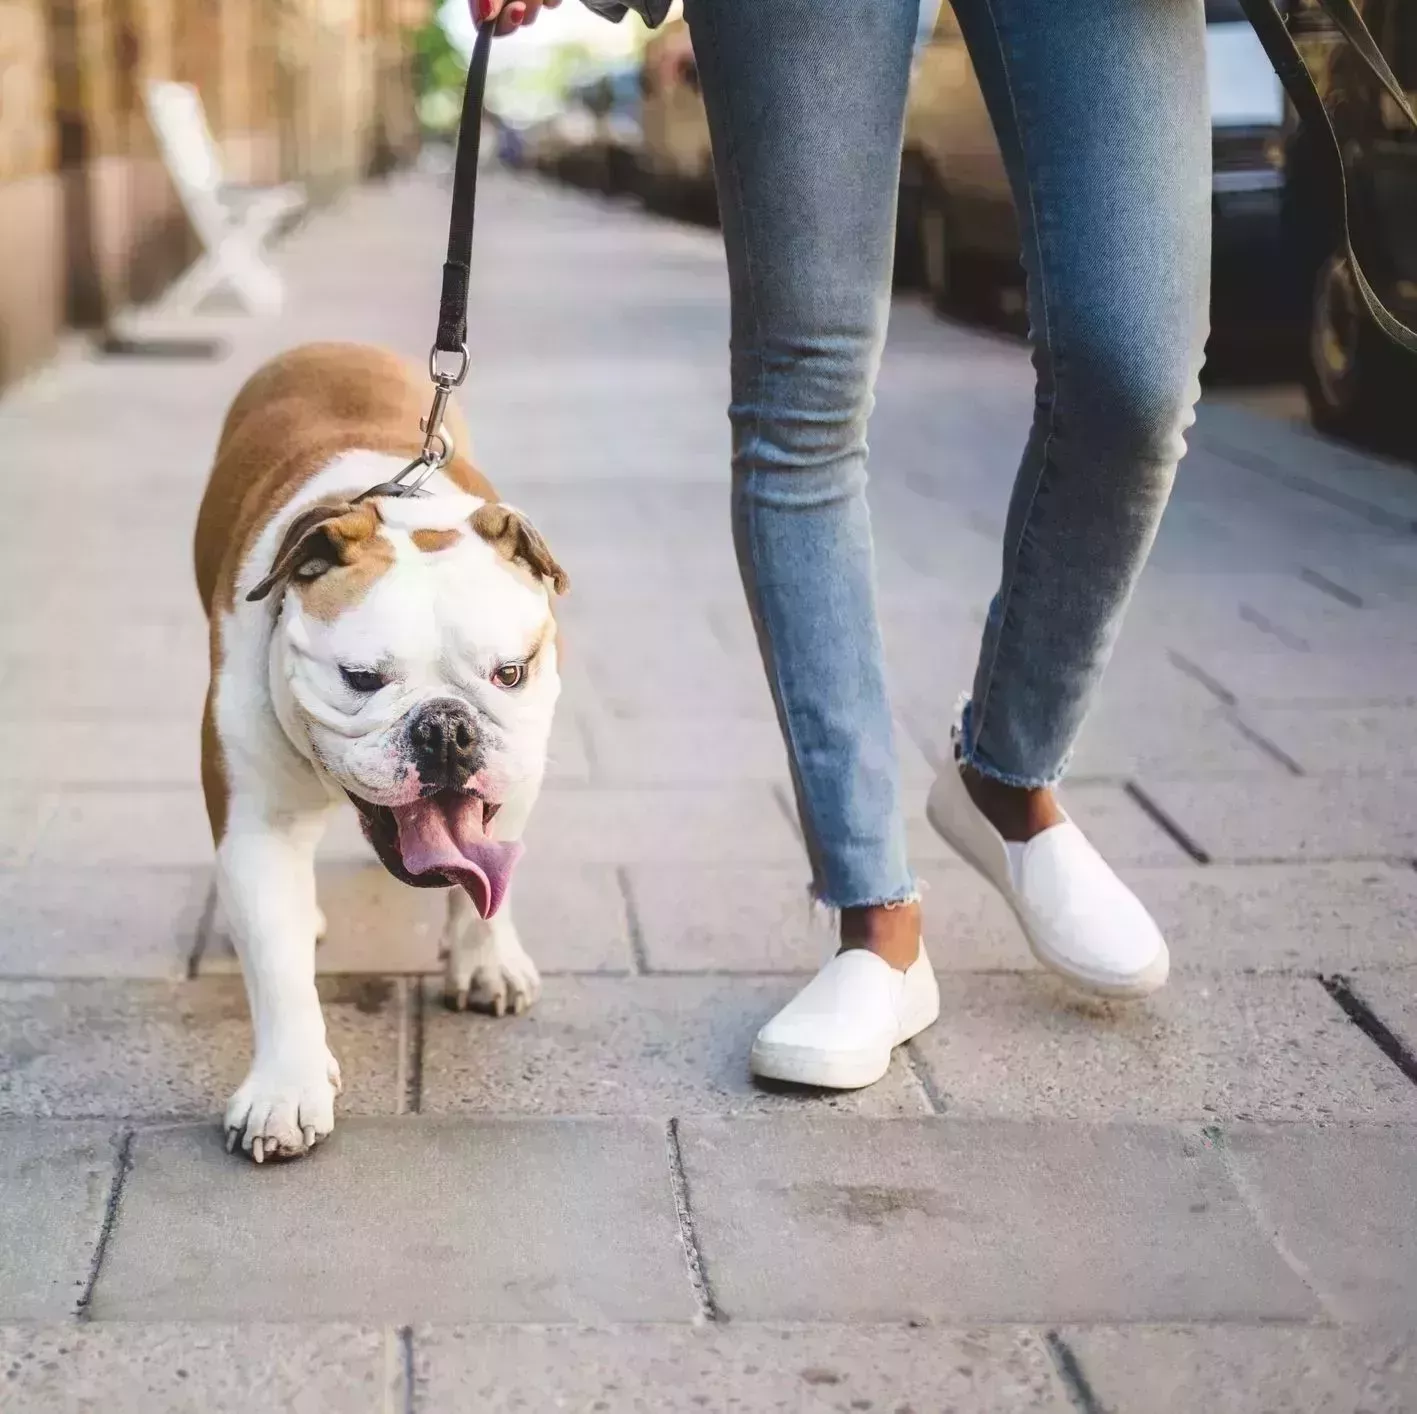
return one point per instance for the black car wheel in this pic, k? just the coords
(1353, 374)
(908, 273)
(933, 244)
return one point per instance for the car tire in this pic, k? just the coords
(937, 261)
(1353, 374)
(908, 272)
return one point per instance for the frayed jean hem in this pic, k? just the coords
(967, 751)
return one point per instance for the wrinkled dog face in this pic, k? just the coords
(415, 662)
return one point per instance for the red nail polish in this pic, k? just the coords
(484, 10)
(518, 13)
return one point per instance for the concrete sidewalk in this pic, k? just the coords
(1203, 1202)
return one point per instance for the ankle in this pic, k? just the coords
(1018, 813)
(891, 931)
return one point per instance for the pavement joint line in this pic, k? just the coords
(1258, 739)
(1340, 988)
(1196, 673)
(1250, 615)
(405, 1344)
(202, 937)
(634, 930)
(122, 1163)
(1070, 1372)
(679, 1184)
(1164, 822)
(1331, 587)
(920, 1069)
(411, 1045)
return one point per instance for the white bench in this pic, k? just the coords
(232, 223)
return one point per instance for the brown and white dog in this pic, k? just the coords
(400, 652)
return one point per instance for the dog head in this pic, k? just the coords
(414, 662)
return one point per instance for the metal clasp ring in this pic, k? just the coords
(448, 380)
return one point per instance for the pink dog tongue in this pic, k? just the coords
(448, 833)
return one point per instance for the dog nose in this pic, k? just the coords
(445, 744)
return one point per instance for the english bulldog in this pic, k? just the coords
(397, 652)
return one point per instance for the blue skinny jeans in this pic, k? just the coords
(1101, 111)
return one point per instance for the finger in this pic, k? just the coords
(512, 17)
(533, 8)
(484, 10)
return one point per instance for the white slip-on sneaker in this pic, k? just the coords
(1080, 919)
(838, 1032)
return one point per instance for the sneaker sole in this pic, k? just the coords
(1150, 980)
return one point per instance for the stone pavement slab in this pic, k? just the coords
(738, 1367)
(199, 1369)
(1247, 1369)
(159, 1050)
(24, 812)
(677, 751)
(405, 1220)
(134, 922)
(633, 1045)
(102, 753)
(964, 1221)
(55, 1181)
(1282, 917)
(728, 825)
(1341, 1203)
(126, 828)
(1203, 1048)
(1317, 818)
(1379, 740)
(1359, 677)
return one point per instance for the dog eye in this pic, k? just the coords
(362, 679)
(510, 675)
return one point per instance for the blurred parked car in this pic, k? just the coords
(607, 156)
(1360, 385)
(676, 165)
(957, 227)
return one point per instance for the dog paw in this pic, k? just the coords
(500, 979)
(284, 1107)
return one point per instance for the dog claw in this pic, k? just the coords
(258, 1149)
(309, 1135)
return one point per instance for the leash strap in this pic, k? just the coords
(1299, 83)
(451, 339)
(457, 269)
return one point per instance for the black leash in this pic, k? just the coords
(1299, 83)
(448, 358)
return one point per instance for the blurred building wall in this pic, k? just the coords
(314, 90)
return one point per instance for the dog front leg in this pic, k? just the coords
(266, 885)
(487, 968)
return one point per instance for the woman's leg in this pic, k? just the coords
(1101, 108)
(1101, 111)
(805, 101)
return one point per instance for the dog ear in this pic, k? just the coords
(515, 538)
(317, 540)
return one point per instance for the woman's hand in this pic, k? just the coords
(509, 14)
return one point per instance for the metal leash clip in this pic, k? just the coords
(438, 445)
